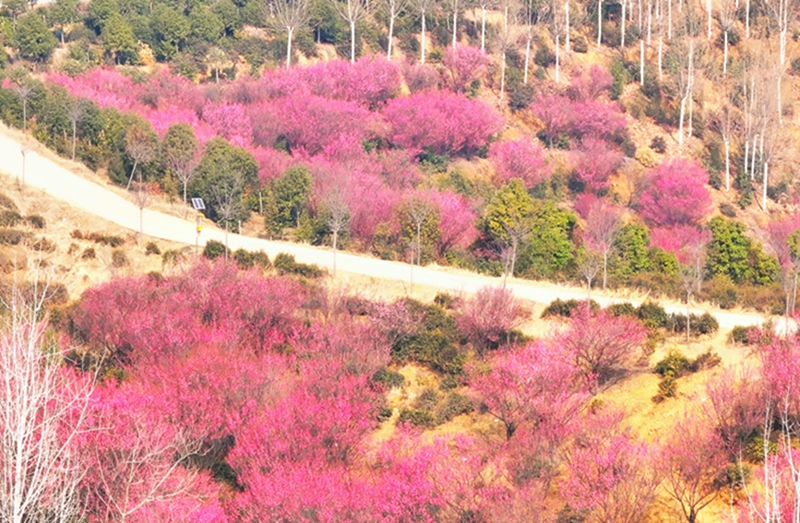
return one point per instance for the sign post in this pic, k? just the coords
(199, 206)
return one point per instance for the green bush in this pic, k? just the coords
(544, 57)
(674, 364)
(430, 338)
(286, 264)
(119, 258)
(35, 221)
(622, 309)
(652, 315)
(742, 335)
(388, 378)
(152, 248)
(754, 450)
(9, 218)
(564, 308)
(658, 144)
(247, 260)
(214, 249)
(427, 400)
(453, 405)
(417, 418)
(667, 388)
(13, 236)
(171, 257)
(698, 325)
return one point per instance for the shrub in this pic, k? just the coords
(453, 405)
(652, 315)
(544, 57)
(667, 388)
(564, 308)
(247, 260)
(43, 245)
(703, 324)
(520, 96)
(658, 144)
(445, 300)
(119, 258)
(796, 66)
(417, 418)
(580, 45)
(388, 378)
(35, 221)
(727, 210)
(673, 364)
(754, 450)
(171, 257)
(214, 249)
(743, 335)
(427, 400)
(152, 248)
(7, 203)
(9, 218)
(285, 264)
(12, 236)
(645, 157)
(88, 254)
(622, 309)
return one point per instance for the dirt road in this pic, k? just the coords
(59, 179)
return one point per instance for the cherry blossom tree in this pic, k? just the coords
(519, 158)
(676, 194)
(596, 161)
(463, 64)
(489, 317)
(599, 343)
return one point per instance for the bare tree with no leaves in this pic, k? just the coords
(288, 15)
(352, 11)
(337, 216)
(424, 7)
(140, 146)
(692, 270)
(23, 90)
(393, 9)
(418, 210)
(602, 226)
(43, 410)
(227, 194)
(589, 264)
(75, 113)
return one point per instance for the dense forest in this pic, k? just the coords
(646, 145)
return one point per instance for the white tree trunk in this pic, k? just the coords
(669, 19)
(391, 33)
(455, 26)
(599, 22)
(649, 23)
(622, 36)
(680, 126)
(725, 54)
(753, 159)
(746, 154)
(764, 193)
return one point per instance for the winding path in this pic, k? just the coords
(45, 171)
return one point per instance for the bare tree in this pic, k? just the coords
(23, 90)
(393, 8)
(455, 6)
(353, 11)
(75, 112)
(418, 209)
(423, 7)
(141, 197)
(24, 149)
(484, 5)
(337, 217)
(509, 8)
(226, 191)
(180, 155)
(692, 271)
(141, 147)
(517, 231)
(530, 13)
(217, 59)
(43, 411)
(602, 225)
(589, 264)
(727, 19)
(289, 15)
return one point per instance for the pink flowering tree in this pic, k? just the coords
(489, 318)
(534, 383)
(591, 84)
(445, 123)
(676, 194)
(456, 221)
(600, 344)
(610, 476)
(596, 161)
(519, 158)
(463, 64)
(555, 113)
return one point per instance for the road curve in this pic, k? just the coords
(58, 181)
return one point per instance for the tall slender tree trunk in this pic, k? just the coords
(746, 154)
(352, 41)
(649, 23)
(688, 317)
(391, 33)
(764, 193)
(747, 19)
(680, 125)
(725, 53)
(133, 170)
(24, 114)
(566, 34)
(289, 46)
(605, 269)
(622, 36)
(599, 22)
(669, 19)
(753, 159)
